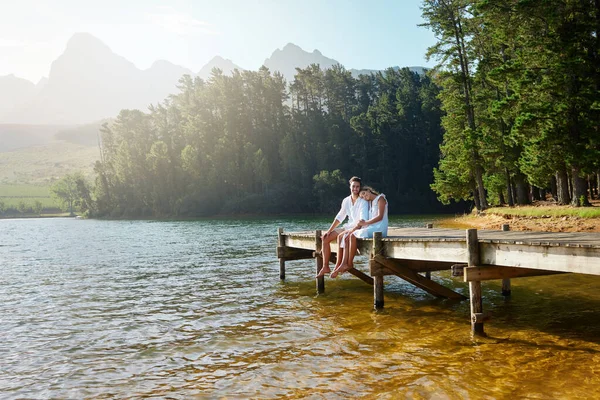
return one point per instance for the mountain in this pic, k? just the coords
(227, 66)
(15, 91)
(292, 56)
(89, 82)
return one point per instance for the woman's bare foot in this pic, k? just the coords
(345, 268)
(322, 272)
(339, 270)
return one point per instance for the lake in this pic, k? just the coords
(195, 309)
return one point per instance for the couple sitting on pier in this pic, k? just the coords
(367, 212)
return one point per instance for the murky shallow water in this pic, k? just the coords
(126, 309)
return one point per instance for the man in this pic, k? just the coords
(355, 209)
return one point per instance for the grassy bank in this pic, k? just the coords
(538, 217)
(15, 196)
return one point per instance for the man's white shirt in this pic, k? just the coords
(355, 212)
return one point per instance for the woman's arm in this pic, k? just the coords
(381, 208)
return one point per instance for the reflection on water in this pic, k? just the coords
(103, 309)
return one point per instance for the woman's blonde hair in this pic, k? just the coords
(370, 189)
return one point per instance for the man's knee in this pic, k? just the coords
(331, 237)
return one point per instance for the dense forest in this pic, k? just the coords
(520, 83)
(509, 115)
(251, 143)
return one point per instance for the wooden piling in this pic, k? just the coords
(281, 243)
(474, 286)
(506, 290)
(377, 280)
(428, 273)
(319, 261)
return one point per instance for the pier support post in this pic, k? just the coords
(506, 290)
(280, 243)
(475, 286)
(428, 273)
(319, 261)
(377, 280)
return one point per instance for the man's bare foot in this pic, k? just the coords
(322, 272)
(337, 271)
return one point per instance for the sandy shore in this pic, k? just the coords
(518, 223)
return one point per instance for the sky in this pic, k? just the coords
(363, 34)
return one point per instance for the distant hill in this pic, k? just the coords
(291, 57)
(43, 164)
(88, 83)
(86, 134)
(14, 91)
(14, 136)
(227, 66)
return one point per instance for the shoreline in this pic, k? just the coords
(523, 223)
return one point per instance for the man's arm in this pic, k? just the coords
(339, 218)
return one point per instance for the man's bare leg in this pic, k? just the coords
(342, 257)
(326, 252)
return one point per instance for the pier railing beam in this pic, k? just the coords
(377, 280)
(319, 261)
(281, 243)
(506, 290)
(475, 286)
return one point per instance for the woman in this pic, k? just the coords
(377, 222)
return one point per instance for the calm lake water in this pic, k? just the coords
(195, 309)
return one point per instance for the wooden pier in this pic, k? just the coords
(413, 253)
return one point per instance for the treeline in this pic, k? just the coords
(520, 91)
(251, 143)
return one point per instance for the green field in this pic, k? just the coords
(13, 194)
(44, 164)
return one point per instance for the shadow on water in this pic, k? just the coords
(566, 306)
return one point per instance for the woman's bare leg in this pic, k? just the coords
(352, 251)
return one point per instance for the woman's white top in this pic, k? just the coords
(380, 226)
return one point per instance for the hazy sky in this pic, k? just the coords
(359, 34)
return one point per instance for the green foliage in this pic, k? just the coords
(71, 192)
(520, 86)
(329, 188)
(248, 143)
(38, 207)
(23, 207)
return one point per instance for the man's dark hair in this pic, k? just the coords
(355, 179)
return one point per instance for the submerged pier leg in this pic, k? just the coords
(428, 273)
(506, 291)
(475, 286)
(319, 261)
(280, 243)
(377, 280)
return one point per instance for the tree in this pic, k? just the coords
(66, 192)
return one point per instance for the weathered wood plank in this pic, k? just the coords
(319, 262)
(361, 275)
(290, 253)
(490, 272)
(411, 276)
(377, 280)
(581, 260)
(476, 300)
(280, 244)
